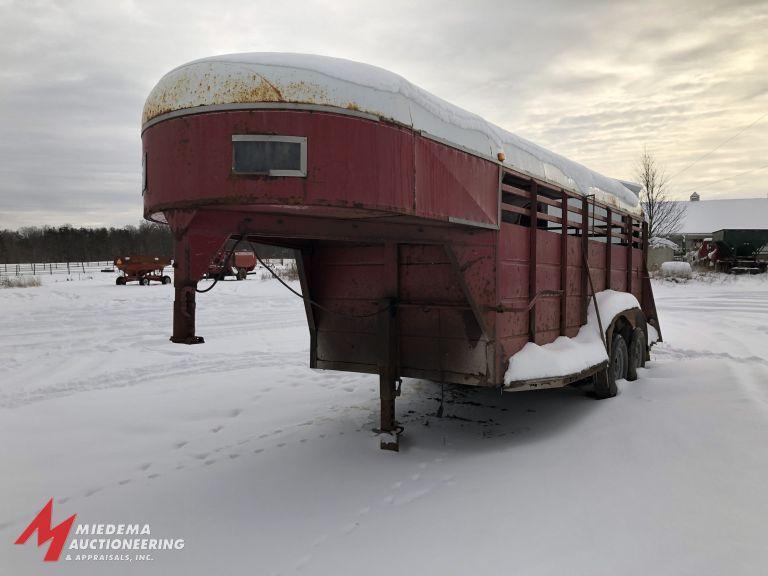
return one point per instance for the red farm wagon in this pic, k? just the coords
(142, 269)
(429, 243)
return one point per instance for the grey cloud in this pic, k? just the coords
(594, 80)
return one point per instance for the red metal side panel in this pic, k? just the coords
(597, 264)
(348, 279)
(440, 335)
(512, 327)
(547, 278)
(637, 278)
(352, 162)
(619, 268)
(575, 268)
(451, 183)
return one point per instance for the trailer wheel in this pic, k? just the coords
(120, 281)
(637, 346)
(143, 281)
(166, 279)
(605, 381)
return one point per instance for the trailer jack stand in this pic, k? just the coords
(389, 382)
(389, 433)
(184, 317)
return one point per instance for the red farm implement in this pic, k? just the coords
(143, 269)
(230, 262)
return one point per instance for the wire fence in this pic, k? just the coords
(50, 268)
(286, 266)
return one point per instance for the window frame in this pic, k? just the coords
(301, 140)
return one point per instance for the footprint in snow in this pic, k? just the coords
(349, 528)
(317, 541)
(145, 466)
(180, 444)
(216, 429)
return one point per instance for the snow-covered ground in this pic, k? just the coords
(264, 466)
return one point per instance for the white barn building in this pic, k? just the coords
(703, 217)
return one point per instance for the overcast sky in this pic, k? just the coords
(593, 80)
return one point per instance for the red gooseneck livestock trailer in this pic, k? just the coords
(429, 242)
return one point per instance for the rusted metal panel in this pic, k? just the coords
(564, 264)
(451, 183)
(619, 267)
(543, 383)
(533, 263)
(629, 231)
(597, 252)
(352, 162)
(433, 282)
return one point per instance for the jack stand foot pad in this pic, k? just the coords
(188, 340)
(390, 440)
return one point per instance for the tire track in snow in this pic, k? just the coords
(685, 353)
(189, 365)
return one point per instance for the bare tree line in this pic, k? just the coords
(69, 244)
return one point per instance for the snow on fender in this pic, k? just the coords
(566, 356)
(676, 270)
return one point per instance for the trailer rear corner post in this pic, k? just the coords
(389, 430)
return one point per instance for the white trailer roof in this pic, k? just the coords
(264, 77)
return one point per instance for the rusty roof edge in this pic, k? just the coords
(206, 108)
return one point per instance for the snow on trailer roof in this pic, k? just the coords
(237, 80)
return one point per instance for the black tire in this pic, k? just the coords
(166, 279)
(241, 273)
(143, 281)
(120, 281)
(605, 381)
(637, 346)
(619, 357)
(605, 385)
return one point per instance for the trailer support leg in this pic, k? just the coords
(184, 317)
(184, 303)
(389, 430)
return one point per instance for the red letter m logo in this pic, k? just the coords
(57, 535)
